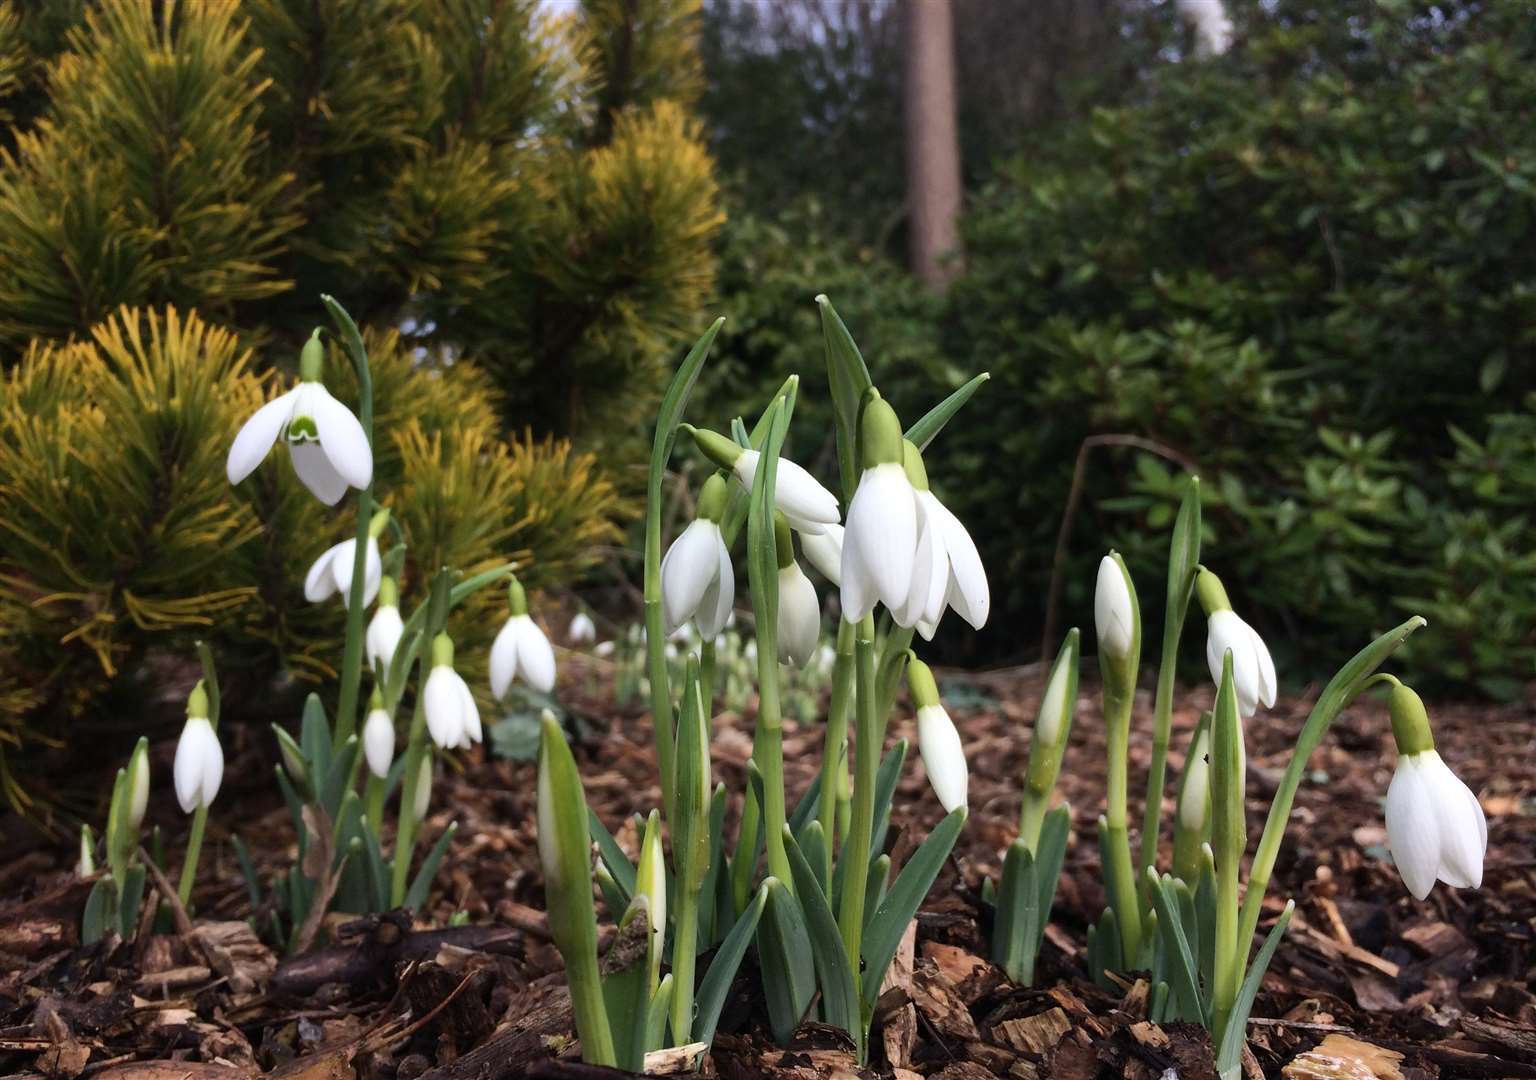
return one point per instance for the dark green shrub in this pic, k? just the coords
(1304, 269)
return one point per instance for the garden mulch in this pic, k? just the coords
(1368, 982)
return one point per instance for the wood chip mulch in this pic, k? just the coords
(1368, 983)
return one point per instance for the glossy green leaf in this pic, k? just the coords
(932, 422)
(839, 997)
(883, 935)
(416, 895)
(1229, 1055)
(785, 955)
(722, 969)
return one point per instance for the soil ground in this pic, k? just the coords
(1368, 981)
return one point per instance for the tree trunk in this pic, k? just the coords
(933, 142)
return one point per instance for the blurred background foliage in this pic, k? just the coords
(514, 200)
(1299, 267)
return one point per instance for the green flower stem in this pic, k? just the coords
(707, 677)
(373, 803)
(189, 862)
(685, 936)
(352, 655)
(893, 662)
(856, 844)
(768, 752)
(834, 758)
(662, 717)
(1229, 839)
(1341, 689)
(1117, 724)
(416, 745)
(1183, 564)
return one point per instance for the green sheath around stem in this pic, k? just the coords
(866, 763)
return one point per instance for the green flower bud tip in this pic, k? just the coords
(720, 450)
(1213, 595)
(378, 523)
(912, 463)
(712, 499)
(197, 702)
(920, 681)
(375, 700)
(782, 540)
(442, 651)
(880, 435)
(293, 756)
(389, 592)
(517, 598)
(1410, 720)
(312, 358)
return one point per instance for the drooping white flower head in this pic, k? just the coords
(385, 628)
(824, 551)
(521, 649)
(326, 443)
(946, 570)
(937, 739)
(697, 579)
(199, 766)
(331, 573)
(453, 719)
(797, 494)
(880, 541)
(1211, 23)
(582, 630)
(1114, 611)
(1253, 671)
(378, 739)
(799, 616)
(1436, 828)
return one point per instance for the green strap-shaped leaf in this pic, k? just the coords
(722, 969)
(338, 778)
(375, 869)
(848, 378)
(785, 955)
(247, 870)
(707, 932)
(1230, 1055)
(1018, 916)
(932, 422)
(613, 856)
(100, 911)
(416, 895)
(315, 738)
(1179, 964)
(885, 789)
(876, 885)
(1205, 915)
(1048, 858)
(883, 935)
(807, 807)
(839, 997)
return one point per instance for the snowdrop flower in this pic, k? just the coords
(1436, 828)
(385, 628)
(452, 717)
(326, 443)
(937, 739)
(138, 780)
(880, 541)
(797, 494)
(697, 579)
(582, 630)
(521, 649)
(824, 551)
(1253, 672)
(947, 570)
(799, 625)
(331, 573)
(199, 767)
(1115, 614)
(378, 738)
(1211, 23)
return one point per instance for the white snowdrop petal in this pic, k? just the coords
(320, 582)
(442, 703)
(691, 564)
(882, 525)
(316, 472)
(535, 657)
(384, 632)
(342, 438)
(379, 742)
(1413, 828)
(799, 626)
(824, 551)
(469, 713)
(256, 437)
(184, 770)
(213, 767)
(801, 495)
(719, 600)
(970, 595)
(582, 629)
(943, 756)
(503, 660)
(1463, 835)
(927, 563)
(856, 592)
(1268, 684)
(1113, 616)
